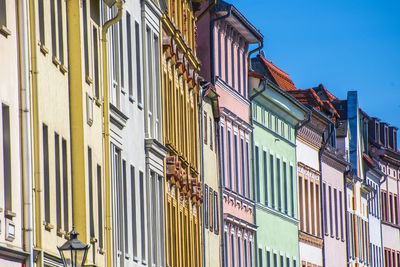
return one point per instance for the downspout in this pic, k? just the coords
(202, 170)
(106, 117)
(260, 46)
(206, 11)
(35, 123)
(26, 147)
(348, 168)
(221, 197)
(251, 98)
(321, 151)
(212, 52)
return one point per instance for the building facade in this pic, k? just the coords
(180, 99)
(224, 57)
(12, 146)
(383, 148)
(212, 183)
(275, 118)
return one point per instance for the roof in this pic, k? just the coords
(324, 94)
(280, 77)
(369, 161)
(237, 19)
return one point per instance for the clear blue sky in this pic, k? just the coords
(344, 44)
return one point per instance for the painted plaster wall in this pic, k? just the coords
(9, 95)
(211, 174)
(335, 248)
(232, 100)
(310, 253)
(307, 155)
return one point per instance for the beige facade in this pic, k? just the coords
(11, 202)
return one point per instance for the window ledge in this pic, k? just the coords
(140, 106)
(56, 61)
(5, 31)
(10, 213)
(123, 90)
(89, 80)
(48, 226)
(132, 99)
(63, 69)
(101, 251)
(60, 232)
(1, 209)
(93, 240)
(43, 49)
(97, 102)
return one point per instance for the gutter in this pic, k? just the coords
(35, 123)
(260, 46)
(26, 147)
(106, 117)
(202, 171)
(212, 50)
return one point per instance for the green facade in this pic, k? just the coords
(275, 116)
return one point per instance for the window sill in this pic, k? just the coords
(43, 49)
(1, 209)
(63, 69)
(131, 99)
(60, 232)
(97, 102)
(5, 31)
(101, 251)
(48, 226)
(93, 240)
(123, 91)
(140, 106)
(10, 214)
(56, 61)
(88, 80)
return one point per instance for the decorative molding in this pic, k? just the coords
(311, 240)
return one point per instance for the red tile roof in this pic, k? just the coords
(328, 94)
(368, 159)
(280, 77)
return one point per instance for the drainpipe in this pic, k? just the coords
(26, 147)
(35, 117)
(347, 171)
(106, 117)
(260, 46)
(303, 123)
(202, 170)
(206, 11)
(321, 151)
(221, 197)
(212, 52)
(251, 98)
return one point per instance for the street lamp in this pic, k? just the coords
(73, 252)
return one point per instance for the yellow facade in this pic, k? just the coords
(67, 128)
(180, 94)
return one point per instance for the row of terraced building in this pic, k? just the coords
(160, 131)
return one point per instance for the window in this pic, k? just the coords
(226, 248)
(206, 205)
(260, 257)
(285, 189)
(233, 250)
(306, 206)
(336, 213)
(65, 184)
(91, 214)
(96, 66)
(276, 124)
(53, 26)
(278, 176)
(7, 157)
(85, 36)
(301, 208)
(239, 70)
(60, 32)
(265, 158)
(292, 191)
(58, 181)
(226, 57)
(211, 134)
(133, 205)
(243, 167)
(330, 210)
(125, 197)
(312, 204)
(100, 207)
(396, 210)
(230, 160)
(268, 258)
(142, 215)
(121, 54)
(233, 62)
(46, 173)
(210, 209)
(216, 213)
(236, 163)
(257, 167)
(247, 168)
(272, 177)
(138, 66)
(223, 155)
(3, 13)
(205, 134)
(239, 251)
(325, 211)
(269, 120)
(245, 251)
(41, 22)
(251, 253)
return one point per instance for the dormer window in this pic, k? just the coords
(376, 131)
(393, 138)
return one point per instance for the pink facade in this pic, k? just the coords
(223, 52)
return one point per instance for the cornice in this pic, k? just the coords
(310, 137)
(311, 239)
(308, 171)
(334, 160)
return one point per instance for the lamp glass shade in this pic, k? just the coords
(73, 253)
